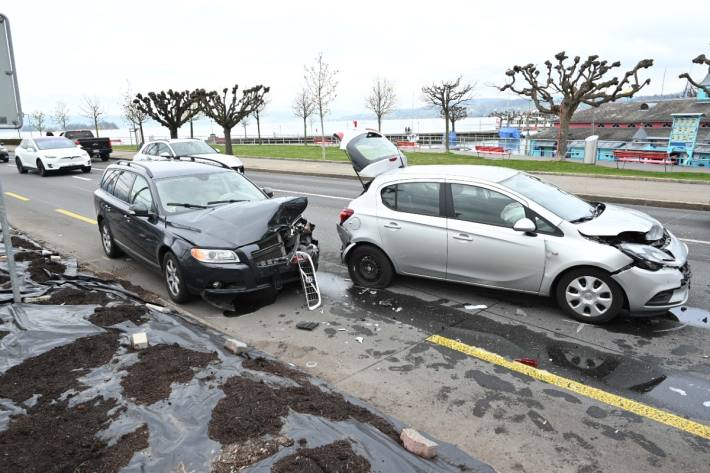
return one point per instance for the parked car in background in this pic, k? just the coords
(174, 148)
(501, 228)
(50, 153)
(96, 147)
(207, 229)
(4, 153)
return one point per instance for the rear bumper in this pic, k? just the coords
(651, 292)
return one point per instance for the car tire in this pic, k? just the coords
(104, 157)
(20, 168)
(370, 267)
(40, 168)
(107, 242)
(86, 169)
(174, 282)
(589, 295)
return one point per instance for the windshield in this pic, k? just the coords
(205, 190)
(78, 134)
(554, 199)
(55, 143)
(186, 148)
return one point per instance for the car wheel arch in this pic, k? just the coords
(346, 256)
(555, 282)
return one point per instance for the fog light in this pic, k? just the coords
(50, 165)
(217, 284)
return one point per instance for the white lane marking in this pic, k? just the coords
(82, 178)
(702, 242)
(314, 195)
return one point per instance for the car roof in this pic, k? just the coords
(483, 173)
(162, 169)
(43, 138)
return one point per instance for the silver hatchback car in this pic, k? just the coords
(501, 228)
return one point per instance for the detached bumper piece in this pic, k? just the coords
(309, 280)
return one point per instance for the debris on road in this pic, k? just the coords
(520, 313)
(475, 307)
(307, 325)
(309, 280)
(418, 444)
(139, 341)
(359, 339)
(528, 361)
(235, 346)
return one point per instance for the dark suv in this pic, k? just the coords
(207, 229)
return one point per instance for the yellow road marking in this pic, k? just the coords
(638, 408)
(77, 216)
(17, 196)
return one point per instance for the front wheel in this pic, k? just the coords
(107, 242)
(20, 168)
(369, 267)
(40, 168)
(86, 169)
(172, 274)
(104, 157)
(589, 295)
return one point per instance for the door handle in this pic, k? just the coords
(463, 237)
(392, 225)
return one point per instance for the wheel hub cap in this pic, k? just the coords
(588, 296)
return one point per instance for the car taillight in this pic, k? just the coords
(393, 158)
(77, 142)
(345, 214)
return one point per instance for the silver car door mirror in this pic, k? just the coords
(525, 225)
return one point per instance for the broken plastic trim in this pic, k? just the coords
(307, 270)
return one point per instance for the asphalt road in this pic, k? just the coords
(633, 395)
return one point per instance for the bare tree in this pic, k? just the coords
(228, 109)
(93, 111)
(321, 82)
(457, 113)
(704, 87)
(381, 100)
(38, 120)
(563, 87)
(303, 107)
(171, 108)
(257, 112)
(445, 96)
(60, 115)
(133, 114)
(245, 123)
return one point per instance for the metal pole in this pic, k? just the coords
(8, 248)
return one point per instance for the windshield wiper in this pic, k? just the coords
(186, 205)
(228, 201)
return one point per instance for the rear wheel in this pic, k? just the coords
(107, 242)
(589, 295)
(40, 168)
(369, 267)
(172, 274)
(20, 168)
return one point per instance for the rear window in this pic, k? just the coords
(370, 148)
(78, 134)
(413, 197)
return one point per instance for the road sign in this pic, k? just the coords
(10, 108)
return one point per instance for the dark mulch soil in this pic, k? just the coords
(239, 455)
(19, 242)
(39, 265)
(336, 457)
(129, 286)
(74, 296)
(108, 316)
(159, 366)
(4, 278)
(273, 367)
(27, 256)
(59, 438)
(56, 371)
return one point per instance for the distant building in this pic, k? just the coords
(680, 127)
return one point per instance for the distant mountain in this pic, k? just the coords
(479, 107)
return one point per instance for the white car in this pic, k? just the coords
(186, 147)
(50, 153)
(501, 228)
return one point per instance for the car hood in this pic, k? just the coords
(238, 224)
(62, 152)
(616, 220)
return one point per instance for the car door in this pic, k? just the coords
(29, 154)
(143, 233)
(412, 228)
(117, 209)
(483, 248)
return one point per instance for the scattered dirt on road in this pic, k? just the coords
(273, 367)
(56, 371)
(2, 334)
(27, 256)
(239, 455)
(334, 457)
(74, 296)
(39, 265)
(130, 287)
(19, 242)
(108, 316)
(149, 380)
(59, 438)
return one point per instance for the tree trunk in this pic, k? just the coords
(142, 136)
(379, 123)
(563, 133)
(191, 132)
(173, 132)
(305, 132)
(96, 126)
(258, 128)
(322, 135)
(228, 141)
(446, 132)
(453, 126)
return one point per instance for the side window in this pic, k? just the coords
(163, 148)
(150, 149)
(413, 197)
(140, 193)
(476, 204)
(109, 180)
(123, 185)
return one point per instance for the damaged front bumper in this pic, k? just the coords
(652, 292)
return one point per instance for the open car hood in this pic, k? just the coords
(237, 224)
(617, 220)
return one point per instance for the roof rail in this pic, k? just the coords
(123, 162)
(200, 158)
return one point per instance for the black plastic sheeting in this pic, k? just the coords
(178, 427)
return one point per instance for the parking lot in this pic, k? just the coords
(633, 395)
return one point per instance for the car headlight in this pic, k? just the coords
(50, 157)
(647, 257)
(206, 255)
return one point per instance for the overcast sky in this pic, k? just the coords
(68, 49)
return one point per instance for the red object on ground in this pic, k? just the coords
(492, 150)
(527, 361)
(642, 156)
(406, 144)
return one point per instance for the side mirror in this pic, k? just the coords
(525, 225)
(31, 150)
(139, 210)
(164, 154)
(268, 191)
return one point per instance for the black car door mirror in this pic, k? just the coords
(139, 209)
(268, 191)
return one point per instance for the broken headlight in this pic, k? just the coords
(205, 255)
(645, 256)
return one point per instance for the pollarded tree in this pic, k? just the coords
(458, 112)
(303, 107)
(228, 108)
(381, 100)
(445, 96)
(561, 87)
(257, 115)
(172, 109)
(133, 114)
(700, 86)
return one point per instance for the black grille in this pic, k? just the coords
(270, 251)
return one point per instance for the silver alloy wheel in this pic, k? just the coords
(588, 296)
(172, 277)
(106, 239)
